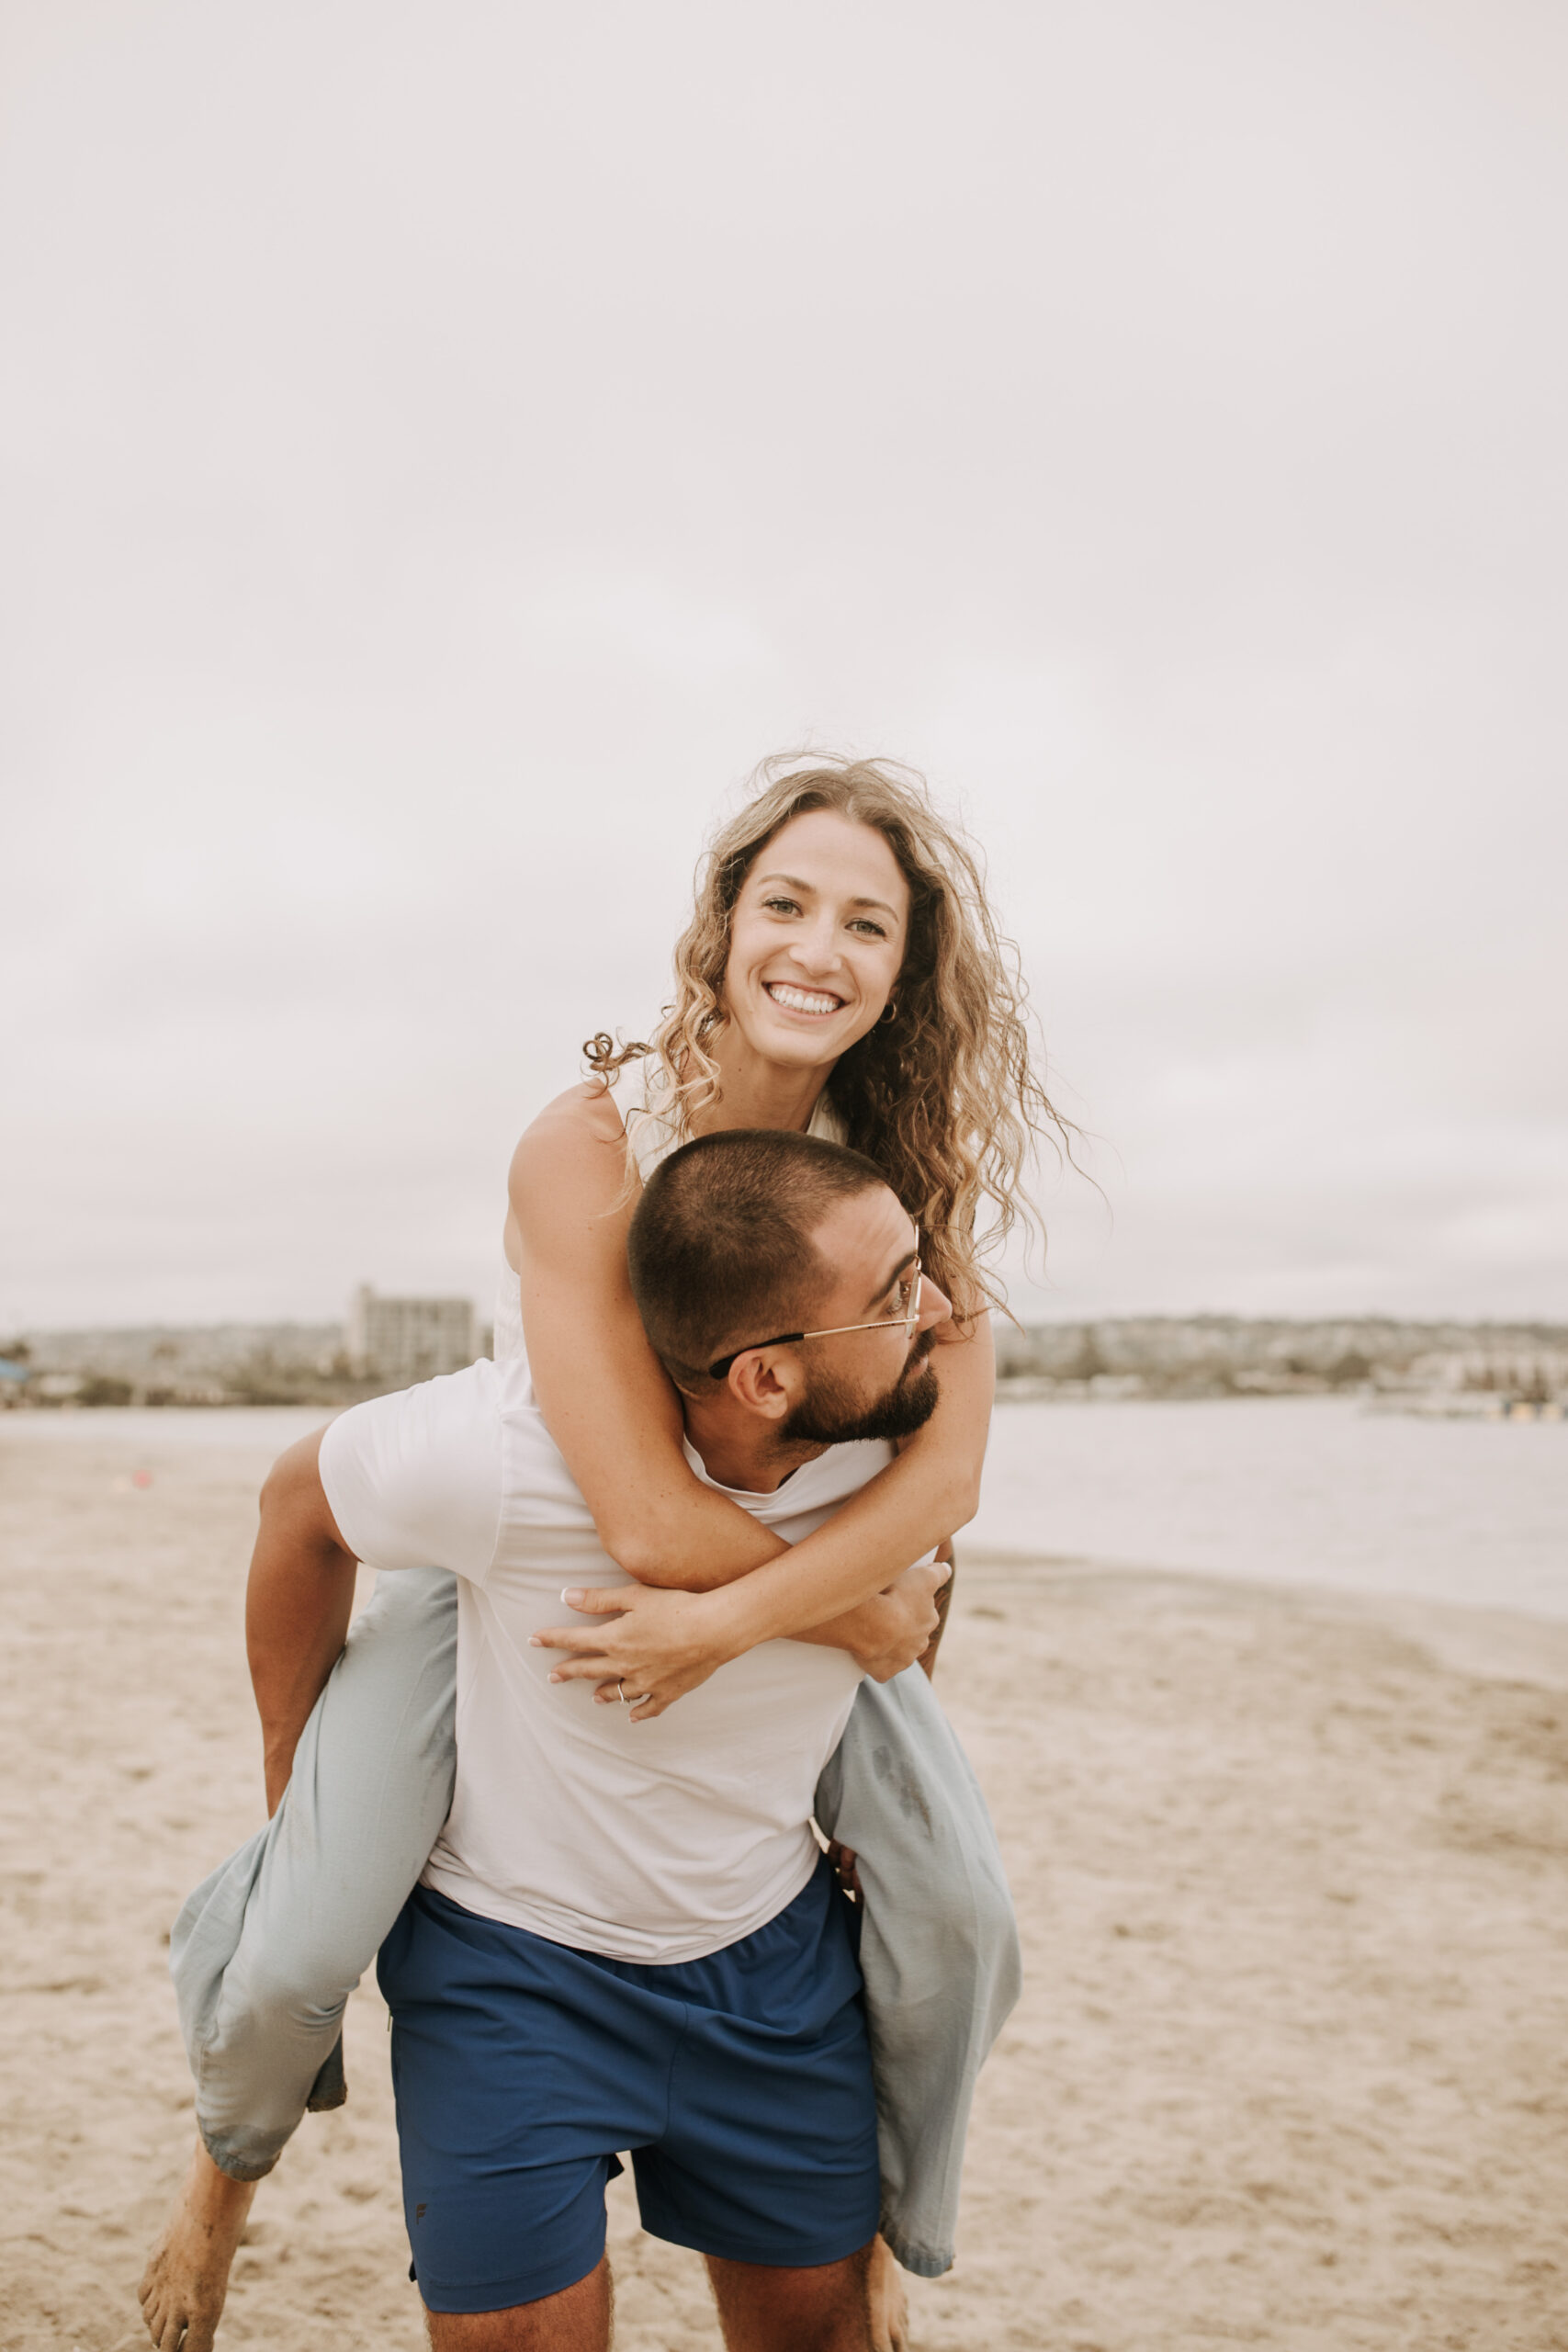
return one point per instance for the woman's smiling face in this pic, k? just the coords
(817, 939)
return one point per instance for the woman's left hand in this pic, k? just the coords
(652, 1643)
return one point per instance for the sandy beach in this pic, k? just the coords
(1291, 2068)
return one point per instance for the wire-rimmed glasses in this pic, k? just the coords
(907, 1322)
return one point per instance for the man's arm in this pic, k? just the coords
(298, 1604)
(407, 1481)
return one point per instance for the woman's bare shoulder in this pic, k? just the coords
(589, 1110)
(577, 1140)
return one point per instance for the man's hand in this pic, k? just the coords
(846, 1868)
(943, 1604)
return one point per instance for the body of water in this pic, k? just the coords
(1273, 1490)
(1288, 1490)
(261, 1430)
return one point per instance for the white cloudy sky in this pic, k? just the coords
(443, 447)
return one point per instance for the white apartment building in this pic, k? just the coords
(403, 1339)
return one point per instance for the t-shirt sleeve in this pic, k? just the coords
(413, 1480)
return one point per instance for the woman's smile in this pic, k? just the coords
(795, 999)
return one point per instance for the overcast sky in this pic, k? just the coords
(445, 447)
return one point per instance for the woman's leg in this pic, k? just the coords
(266, 1952)
(939, 1945)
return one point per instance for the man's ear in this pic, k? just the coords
(760, 1383)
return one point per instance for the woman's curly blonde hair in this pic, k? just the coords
(944, 1096)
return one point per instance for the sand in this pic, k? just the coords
(1292, 2064)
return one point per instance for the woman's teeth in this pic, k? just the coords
(801, 1000)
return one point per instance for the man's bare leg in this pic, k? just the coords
(186, 2277)
(824, 2309)
(577, 2320)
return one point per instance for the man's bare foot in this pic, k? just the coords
(187, 2276)
(889, 2304)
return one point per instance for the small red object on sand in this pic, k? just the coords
(141, 1477)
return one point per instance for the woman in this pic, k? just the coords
(850, 976)
(842, 973)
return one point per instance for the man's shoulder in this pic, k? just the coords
(455, 1405)
(414, 1478)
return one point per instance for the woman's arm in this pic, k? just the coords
(922, 1499)
(666, 1642)
(611, 1411)
(606, 1399)
(901, 1627)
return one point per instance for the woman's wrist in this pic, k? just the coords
(733, 1621)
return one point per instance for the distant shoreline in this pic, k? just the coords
(1526, 1402)
(1485, 1369)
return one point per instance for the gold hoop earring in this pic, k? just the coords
(889, 1013)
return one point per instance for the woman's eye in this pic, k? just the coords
(865, 923)
(782, 906)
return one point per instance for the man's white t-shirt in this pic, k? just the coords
(655, 1841)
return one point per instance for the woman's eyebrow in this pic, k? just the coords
(808, 890)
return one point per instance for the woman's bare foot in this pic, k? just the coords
(187, 2276)
(889, 2304)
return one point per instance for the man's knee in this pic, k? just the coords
(825, 2308)
(575, 2320)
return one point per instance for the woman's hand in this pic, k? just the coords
(655, 1643)
(661, 1645)
(894, 1628)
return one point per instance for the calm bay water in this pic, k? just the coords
(260, 1429)
(1289, 1491)
(1272, 1490)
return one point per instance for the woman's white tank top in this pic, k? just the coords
(654, 1130)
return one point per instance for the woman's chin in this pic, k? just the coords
(793, 1045)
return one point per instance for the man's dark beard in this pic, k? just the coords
(829, 1415)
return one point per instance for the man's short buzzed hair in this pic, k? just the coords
(720, 1249)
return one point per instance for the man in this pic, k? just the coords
(624, 1937)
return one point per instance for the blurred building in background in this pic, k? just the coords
(402, 1339)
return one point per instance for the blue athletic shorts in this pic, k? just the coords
(740, 2085)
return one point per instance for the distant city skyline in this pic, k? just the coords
(444, 457)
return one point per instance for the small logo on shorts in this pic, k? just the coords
(419, 2212)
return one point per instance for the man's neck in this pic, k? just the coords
(746, 1457)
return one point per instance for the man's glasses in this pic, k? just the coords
(906, 1322)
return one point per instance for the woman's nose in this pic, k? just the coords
(815, 950)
